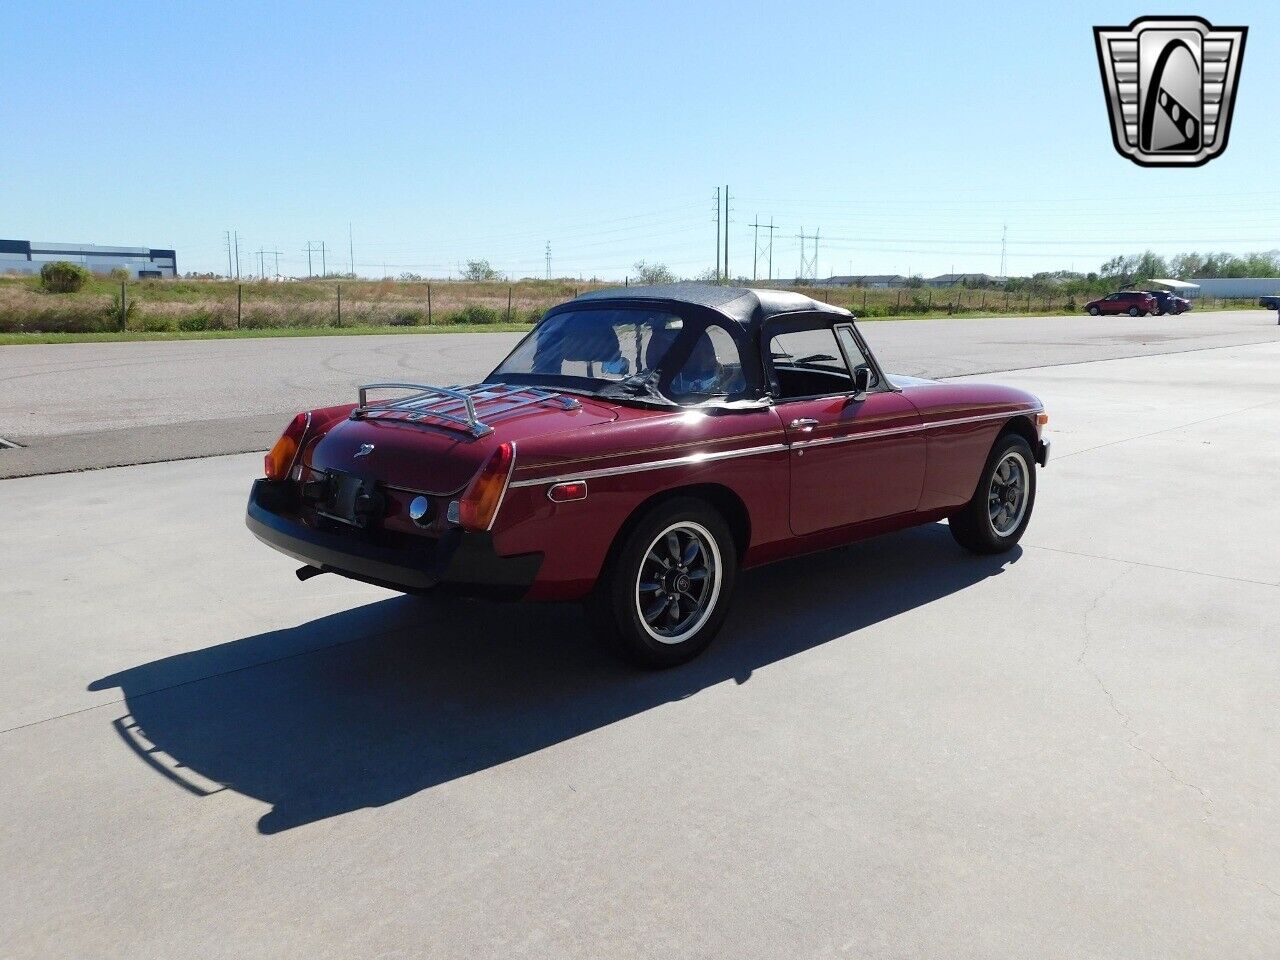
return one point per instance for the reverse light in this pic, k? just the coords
(479, 505)
(568, 491)
(279, 459)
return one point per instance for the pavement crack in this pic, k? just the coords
(1206, 802)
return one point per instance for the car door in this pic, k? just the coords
(854, 457)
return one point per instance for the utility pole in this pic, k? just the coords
(1004, 232)
(771, 229)
(757, 251)
(236, 235)
(351, 250)
(717, 234)
(548, 259)
(262, 264)
(228, 233)
(726, 233)
(324, 269)
(311, 247)
(277, 255)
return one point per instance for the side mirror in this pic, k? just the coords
(861, 382)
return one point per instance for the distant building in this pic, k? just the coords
(877, 281)
(1236, 288)
(28, 256)
(963, 280)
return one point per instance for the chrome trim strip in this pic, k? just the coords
(1003, 415)
(864, 435)
(695, 458)
(691, 459)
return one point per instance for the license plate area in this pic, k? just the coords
(350, 499)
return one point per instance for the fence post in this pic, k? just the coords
(930, 306)
(864, 299)
(508, 303)
(339, 286)
(124, 307)
(899, 306)
(428, 304)
(239, 302)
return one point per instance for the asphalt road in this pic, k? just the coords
(76, 406)
(893, 750)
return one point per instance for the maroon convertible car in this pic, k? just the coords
(636, 450)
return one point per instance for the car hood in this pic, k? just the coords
(429, 457)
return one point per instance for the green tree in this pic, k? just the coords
(480, 270)
(653, 272)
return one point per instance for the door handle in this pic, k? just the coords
(804, 423)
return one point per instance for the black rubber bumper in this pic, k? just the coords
(1042, 452)
(460, 561)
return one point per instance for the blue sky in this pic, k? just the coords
(907, 133)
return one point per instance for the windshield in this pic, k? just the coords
(628, 353)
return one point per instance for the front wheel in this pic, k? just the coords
(1134, 311)
(666, 591)
(1094, 311)
(997, 515)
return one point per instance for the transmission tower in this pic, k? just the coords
(313, 246)
(808, 264)
(762, 250)
(717, 234)
(548, 259)
(1004, 232)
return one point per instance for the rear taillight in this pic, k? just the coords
(479, 504)
(279, 459)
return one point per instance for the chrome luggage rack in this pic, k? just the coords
(456, 406)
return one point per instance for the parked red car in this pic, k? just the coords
(1136, 303)
(636, 450)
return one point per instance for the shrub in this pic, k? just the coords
(63, 277)
(199, 320)
(407, 318)
(474, 314)
(119, 274)
(533, 315)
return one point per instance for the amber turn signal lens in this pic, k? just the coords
(565, 492)
(479, 505)
(279, 459)
(1042, 419)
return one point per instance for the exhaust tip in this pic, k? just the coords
(307, 572)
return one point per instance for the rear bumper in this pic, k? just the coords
(1042, 452)
(460, 561)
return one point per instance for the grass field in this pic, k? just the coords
(206, 309)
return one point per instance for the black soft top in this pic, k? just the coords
(747, 307)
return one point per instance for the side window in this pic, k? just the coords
(809, 363)
(712, 369)
(853, 350)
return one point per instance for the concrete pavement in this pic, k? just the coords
(893, 750)
(78, 406)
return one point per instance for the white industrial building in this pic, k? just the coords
(28, 256)
(1235, 288)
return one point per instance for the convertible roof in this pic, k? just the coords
(746, 306)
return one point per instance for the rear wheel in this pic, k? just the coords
(997, 515)
(666, 591)
(1134, 311)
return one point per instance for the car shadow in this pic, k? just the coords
(368, 706)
